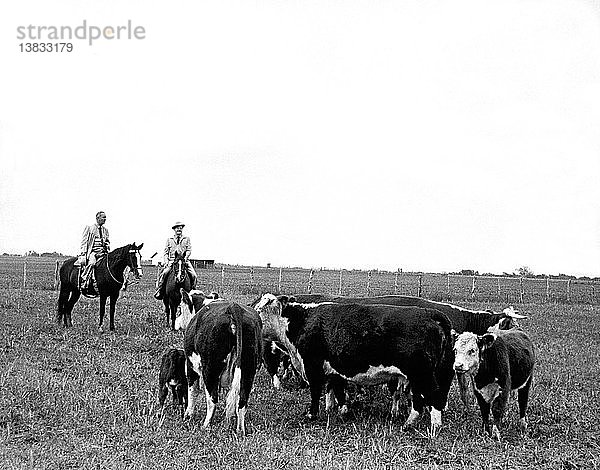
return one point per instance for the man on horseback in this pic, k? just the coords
(176, 244)
(95, 244)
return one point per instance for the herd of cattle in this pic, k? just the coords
(412, 345)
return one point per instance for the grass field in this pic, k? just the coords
(79, 399)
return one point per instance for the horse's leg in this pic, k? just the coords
(63, 298)
(102, 309)
(113, 305)
(70, 304)
(167, 309)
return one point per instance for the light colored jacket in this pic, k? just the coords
(184, 247)
(91, 233)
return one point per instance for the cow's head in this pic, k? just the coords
(191, 303)
(276, 326)
(467, 351)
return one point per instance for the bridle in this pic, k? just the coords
(138, 272)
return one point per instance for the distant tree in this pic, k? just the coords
(524, 271)
(468, 272)
(32, 253)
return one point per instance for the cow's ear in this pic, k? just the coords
(187, 300)
(283, 299)
(454, 334)
(486, 341)
(292, 299)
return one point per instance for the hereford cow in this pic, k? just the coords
(199, 299)
(462, 319)
(369, 345)
(500, 362)
(223, 344)
(172, 376)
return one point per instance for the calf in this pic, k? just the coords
(223, 344)
(500, 362)
(172, 376)
(368, 345)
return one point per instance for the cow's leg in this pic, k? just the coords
(163, 391)
(484, 407)
(193, 373)
(523, 394)
(211, 404)
(498, 408)
(416, 409)
(113, 306)
(316, 378)
(102, 310)
(336, 393)
(272, 360)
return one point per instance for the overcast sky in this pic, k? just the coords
(423, 135)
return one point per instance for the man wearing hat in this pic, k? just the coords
(176, 244)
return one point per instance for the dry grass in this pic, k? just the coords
(79, 399)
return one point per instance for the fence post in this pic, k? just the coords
(568, 291)
(521, 289)
(499, 293)
(223, 280)
(448, 286)
(547, 289)
(340, 288)
(56, 280)
(369, 283)
(396, 281)
(251, 277)
(473, 289)
(279, 282)
(25, 273)
(310, 279)
(420, 285)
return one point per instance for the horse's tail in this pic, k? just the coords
(233, 396)
(62, 281)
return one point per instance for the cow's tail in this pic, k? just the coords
(233, 396)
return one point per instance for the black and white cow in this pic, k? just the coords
(199, 299)
(368, 345)
(223, 345)
(172, 376)
(500, 362)
(462, 319)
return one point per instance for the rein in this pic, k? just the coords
(111, 274)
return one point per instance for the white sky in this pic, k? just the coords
(426, 135)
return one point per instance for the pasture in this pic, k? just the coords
(79, 399)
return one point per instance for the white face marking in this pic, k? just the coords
(138, 259)
(466, 353)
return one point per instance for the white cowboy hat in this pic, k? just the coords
(178, 224)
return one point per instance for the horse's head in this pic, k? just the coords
(179, 268)
(134, 261)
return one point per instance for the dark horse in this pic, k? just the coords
(178, 278)
(109, 277)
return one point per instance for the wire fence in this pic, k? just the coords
(42, 273)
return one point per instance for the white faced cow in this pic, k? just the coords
(462, 319)
(223, 345)
(367, 345)
(500, 362)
